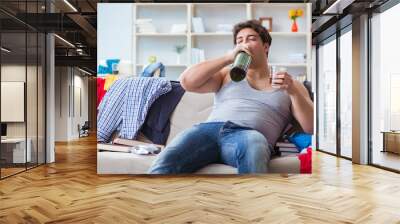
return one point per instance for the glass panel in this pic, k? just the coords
(32, 98)
(13, 93)
(41, 98)
(23, 87)
(385, 84)
(346, 94)
(13, 86)
(32, 87)
(327, 97)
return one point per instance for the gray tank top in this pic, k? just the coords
(268, 112)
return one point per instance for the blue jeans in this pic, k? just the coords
(214, 142)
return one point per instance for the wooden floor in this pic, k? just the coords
(70, 191)
(10, 171)
(5, 172)
(387, 159)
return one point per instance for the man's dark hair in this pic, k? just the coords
(256, 26)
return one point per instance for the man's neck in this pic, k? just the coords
(259, 77)
(257, 73)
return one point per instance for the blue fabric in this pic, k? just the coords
(214, 142)
(110, 62)
(152, 68)
(103, 70)
(300, 139)
(125, 106)
(157, 125)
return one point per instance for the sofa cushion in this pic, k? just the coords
(123, 163)
(192, 109)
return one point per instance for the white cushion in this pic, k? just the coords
(123, 163)
(192, 109)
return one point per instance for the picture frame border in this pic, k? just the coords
(269, 19)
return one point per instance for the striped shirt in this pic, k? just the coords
(125, 106)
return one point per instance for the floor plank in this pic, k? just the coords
(70, 191)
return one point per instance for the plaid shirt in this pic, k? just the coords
(125, 106)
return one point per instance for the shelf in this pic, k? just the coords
(167, 65)
(218, 4)
(216, 43)
(289, 34)
(285, 5)
(161, 34)
(160, 4)
(211, 34)
(284, 34)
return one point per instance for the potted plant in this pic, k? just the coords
(293, 14)
(179, 49)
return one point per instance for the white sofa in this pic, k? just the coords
(193, 108)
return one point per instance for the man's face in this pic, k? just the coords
(251, 38)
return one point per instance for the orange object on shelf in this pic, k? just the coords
(294, 26)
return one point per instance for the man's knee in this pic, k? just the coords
(254, 144)
(184, 148)
(256, 153)
(256, 138)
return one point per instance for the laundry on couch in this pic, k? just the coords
(100, 90)
(157, 125)
(110, 79)
(108, 68)
(156, 69)
(125, 106)
(103, 85)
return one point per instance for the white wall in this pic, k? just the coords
(68, 116)
(61, 103)
(115, 30)
(80, 83)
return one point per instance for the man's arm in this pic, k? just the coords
(206, 76)
(302, 107)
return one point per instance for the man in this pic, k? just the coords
(247, 117)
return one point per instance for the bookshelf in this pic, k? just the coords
(215, 44)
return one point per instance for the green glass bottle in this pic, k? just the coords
(240, 66)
